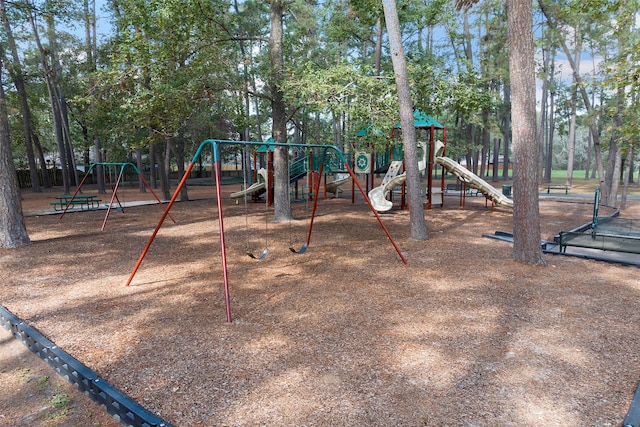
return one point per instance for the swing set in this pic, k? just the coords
(114, 188)
(215, 144)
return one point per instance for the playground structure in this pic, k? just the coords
(610, 238)
(256, 187)
(114, 189)
(426, 127)
(301, 165)
(469, 179)
(334, 186)
(603, 234)
(433, 154)
(378, 195)
(392, 179)
(216, 168)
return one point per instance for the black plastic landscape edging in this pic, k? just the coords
(633, 415)
(116, 403)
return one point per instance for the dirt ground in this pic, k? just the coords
(342, 335)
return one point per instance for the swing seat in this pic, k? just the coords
(263, 254)
(300, 251)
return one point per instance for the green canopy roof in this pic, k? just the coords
(421, 120)
(365, 131)
(268, 146)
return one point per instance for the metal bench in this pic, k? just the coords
(558, 187)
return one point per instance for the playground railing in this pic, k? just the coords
(600, 241)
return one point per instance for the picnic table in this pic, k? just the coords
(558, 187)
(84, 202)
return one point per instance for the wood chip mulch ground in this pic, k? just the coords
(342, 335)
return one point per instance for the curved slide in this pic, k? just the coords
(378, 195)
(472, 180)
(334, 186)
(256, 186)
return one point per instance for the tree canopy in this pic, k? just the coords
(149, 80)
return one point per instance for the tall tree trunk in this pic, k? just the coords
(593, 127)
(178, 150)
(246, 132)
(571, 151)
(615, 151)
(163, 172)
(628, 173)
(615, 173)
(416, 210)
(97, 148)
(526, 214)
(60, 97)
(506, 153)
(140, 166)
(544, 105)
(472, 156)
(153, 161)
(13, 233)
(337, 129)
(495, 159)
(281, 201)
(552, 126)
(46, 179)
(49, 76)
(614, 160)
(486, 143)
(89, 11)
(15, 70)
(166, 183)
(588, 159)
(378, 52)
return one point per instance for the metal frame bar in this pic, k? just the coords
(214, 143)
(114, 194)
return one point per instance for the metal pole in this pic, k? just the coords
(315, 204)
(76, 192)
(113, 196)
(223, 247)
(164, 216)
(353, 176)
(152, 192)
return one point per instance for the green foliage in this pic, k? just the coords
(42, 382)
(368, 101)
(185, 69)
(62, 404)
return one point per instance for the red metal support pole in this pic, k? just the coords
(164, 216)
(316, 188)
(144, 181)
(353, 177)
(353, 185)
(223, 246)
(113, 196)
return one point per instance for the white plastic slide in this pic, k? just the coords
(256, 186)
(472, 180)
(378, 195)
(334, 186)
